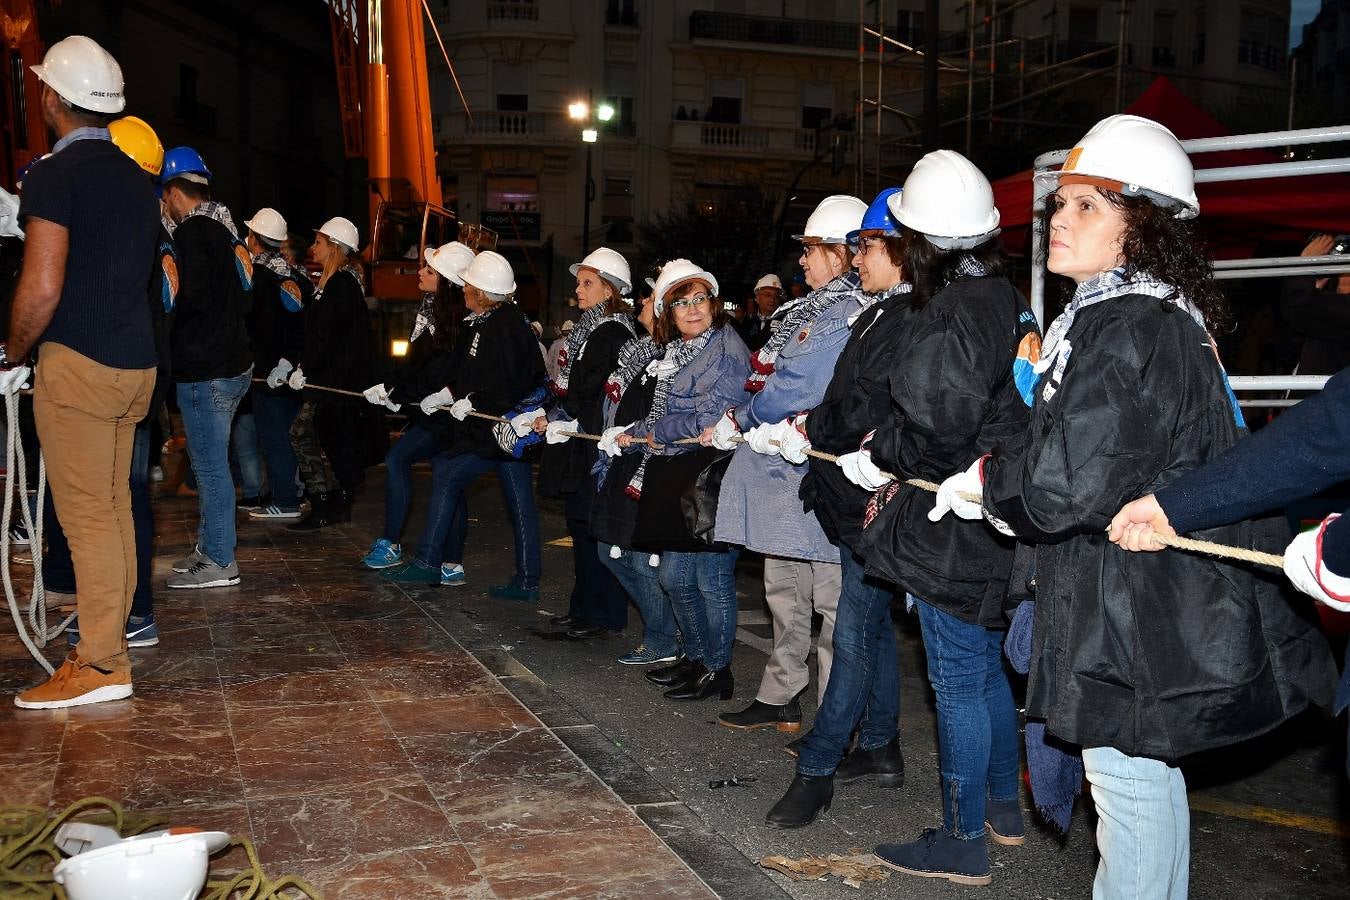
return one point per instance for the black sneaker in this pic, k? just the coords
(787, 718)
(939, 855)
(886, 763)
(249, 504)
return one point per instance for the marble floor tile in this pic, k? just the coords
(496, 808)
(433, 873)
(469, 756)
(307, 726)
(324, 767)
(285, 688)
(27, 779)
(423, 678)
(449, 715)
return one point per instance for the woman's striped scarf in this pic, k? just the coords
(590, 320)
(634, 357)
(678, 354)
(805, 312)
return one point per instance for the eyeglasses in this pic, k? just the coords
(867, 242)
(686, 302)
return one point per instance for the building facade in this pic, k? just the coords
(1322, 67)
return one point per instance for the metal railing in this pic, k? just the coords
(715, 26)
(757, 140)
(494, 126)
(1260, 267)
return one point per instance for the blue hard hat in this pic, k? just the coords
(877, 218)
(184, 162)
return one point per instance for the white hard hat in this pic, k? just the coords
(343, 231)
(161, 866)
(1137, 157)
(268, 223)
(833, 219)
(674, 273)
(490, 272)
(450, 260)
(769, 281)
(83, 74)
(948, 201)
(612, 267)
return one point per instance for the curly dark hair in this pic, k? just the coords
(1156, 244)
(447, 310)
(929, 268)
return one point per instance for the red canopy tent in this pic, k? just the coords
(1295, 205)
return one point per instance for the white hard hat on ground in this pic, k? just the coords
(490, 272)
(450, 260)
(343, 231)
(675, 273)
(832, 220)
(1136, 157)
(162, 866)
(268, 223)
(83, 74)
(612, 267)
(948, 201)
(769, 281)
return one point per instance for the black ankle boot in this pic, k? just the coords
(704, 686)
(807, 797)
(320, 513)
(886, 763)
(677, 672)
(787, 717)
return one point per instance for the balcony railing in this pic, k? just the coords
(749, 140)
(512, 10)
(492, 126)
(772, 30)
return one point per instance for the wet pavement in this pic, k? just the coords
(432, 742)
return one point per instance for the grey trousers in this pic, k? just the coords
(794, 588)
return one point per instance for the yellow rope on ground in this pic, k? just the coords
(28, 854)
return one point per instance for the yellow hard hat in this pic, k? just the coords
(138, 140)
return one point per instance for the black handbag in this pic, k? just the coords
(678, 508)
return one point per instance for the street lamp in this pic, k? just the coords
(582, 112)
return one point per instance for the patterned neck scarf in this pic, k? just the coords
(275, 263)
(969, 265)
(870, 300)
(803, 312)
(426, 317)
(1108, 285)
(351, 269)
(218, 211)
(590, 320)
(678, 354)
(634, 357)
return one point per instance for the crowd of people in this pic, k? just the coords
(677, 437)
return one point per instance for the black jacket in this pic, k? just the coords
(953, 399)
(857, 401)
(494, 362)
(613, 512)
(210, 338)
(339, 347)
(1155, 654)
(162, 296)
(276, 324)
(1317, 322)
(564, 468)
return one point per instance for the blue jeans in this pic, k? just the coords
(702, 591)
(416, 445)
(450, 476)
(58, 569)
(864, 688)
(977, 721)
(642, 581)
(1143, 826)
(244, 443)
(208, 410)
(272, 416)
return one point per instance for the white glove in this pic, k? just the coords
(725, 430)
(949, 498)
(9, 215)
(277, 377)
(609, 445)
(378, 395)
(555, 432)
(766, 438)
(1305, 570)
(523, 424)
(859, 469)
(16, 379)
(297, 380)
(793, 443)
(461, 408)
(430, 403)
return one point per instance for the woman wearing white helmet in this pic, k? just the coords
(598, 603)
(953, 393)
(758, 505)
(1140, 659)
(495, 369)
(335, 439)
(701, 373)
(433, 334)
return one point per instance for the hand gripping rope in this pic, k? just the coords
(37, 635)
(1208, 548)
